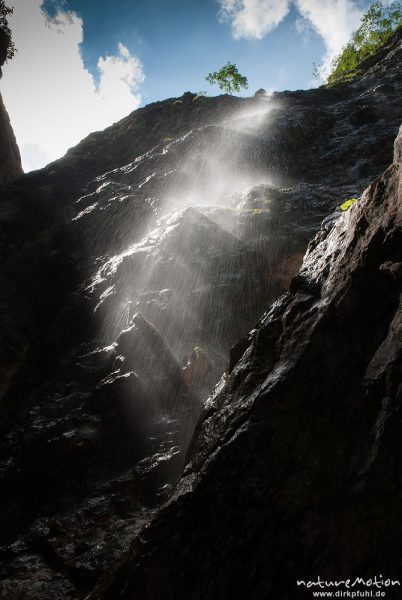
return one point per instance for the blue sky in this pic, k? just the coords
(180, 41)
(87, 63)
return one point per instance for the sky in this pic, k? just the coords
(82, 65)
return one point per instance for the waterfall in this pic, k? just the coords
(195, 231)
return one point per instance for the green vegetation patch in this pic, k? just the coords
(348, 203)
(376, 28)
(199, 95)
(7, 47)
(228, 78)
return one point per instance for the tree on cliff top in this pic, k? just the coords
(376, 28)
(7, 47)
(228, 78)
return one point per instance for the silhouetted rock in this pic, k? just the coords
(10, 159)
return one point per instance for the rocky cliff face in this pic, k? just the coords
(176, 228)
(295, 469)
(10, 159)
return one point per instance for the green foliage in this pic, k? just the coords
(7, 47)
(199, 95)
(348, 203)
(228, 78)
(376, 28)
(254, 211)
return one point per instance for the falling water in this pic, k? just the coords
(196, 229)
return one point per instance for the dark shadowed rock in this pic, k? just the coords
(294, 470)
(10, 159)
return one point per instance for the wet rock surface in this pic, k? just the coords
(174, 229)
(295, 468)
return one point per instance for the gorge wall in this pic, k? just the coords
(177, 228)
(295, 469)
(10, 159)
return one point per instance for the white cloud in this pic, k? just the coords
(333, 20)
(53, 101)
(253, 19)
(119, 77)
